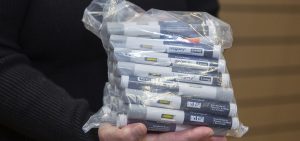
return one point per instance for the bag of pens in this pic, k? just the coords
(166, 69)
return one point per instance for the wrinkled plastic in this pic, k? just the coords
(166, 69)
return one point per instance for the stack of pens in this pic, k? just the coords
(167, 70)
(163, 79)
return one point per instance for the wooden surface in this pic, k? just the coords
(264, 63)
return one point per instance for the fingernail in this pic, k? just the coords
(211, 132)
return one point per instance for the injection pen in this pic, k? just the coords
(160, 29)
(155, 126)
(181, 74)
(185, 103)
(180, 117)
(167, 60)
(180, 88)
(166, 46)
(220, 81)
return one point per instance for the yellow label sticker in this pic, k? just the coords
(166, 102)
(167, 116)
(150, 59)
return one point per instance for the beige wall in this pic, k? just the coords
(264, 63)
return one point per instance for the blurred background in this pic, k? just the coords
(264, 63)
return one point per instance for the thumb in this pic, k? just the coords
(134, 132)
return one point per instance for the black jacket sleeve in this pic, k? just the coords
(30, 104)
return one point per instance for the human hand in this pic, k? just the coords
(138, 132)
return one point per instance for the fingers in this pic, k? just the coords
(133, 132)
(196, 134)
(138, 131)
(107, 131)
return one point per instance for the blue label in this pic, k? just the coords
(200, 60)
(137, 79)
(199, 49)
(200, 119)
(196, 50)
(185, 44)
(184, 29)
(205, 106)
(155, 125)
(152, 88)
(142, 83)
(181, 56)
(176, 49)
(205, 78)
(202, 63)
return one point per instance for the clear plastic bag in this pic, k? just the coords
(166, 69)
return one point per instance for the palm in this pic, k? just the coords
(138, 132)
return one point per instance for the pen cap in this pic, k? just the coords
(225, 80)
(111, 77)
(233, 110)
(136, 112)
(122, 120)
(125, 68)
(110, 66)
(217, 51)
(117, 41)
(224, 94)
(222, 65)
(235, 123)
(124, 81)
(115, 28)
(121, 54)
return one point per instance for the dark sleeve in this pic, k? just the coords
(210, 6)
(30, 104)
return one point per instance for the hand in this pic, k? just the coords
(138, 132)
